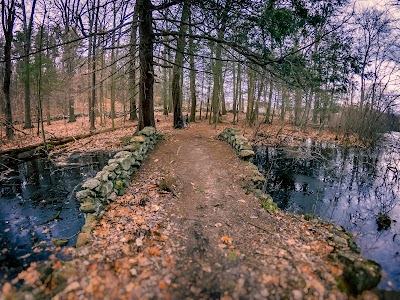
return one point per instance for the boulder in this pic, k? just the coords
(138, 139)
(148, 131)
(362, 275)
(132, 147)
(83, 239)
(103, 175)
(88, 207)
(91, 184)
(83, 194)
(123, 154)
(246, 154)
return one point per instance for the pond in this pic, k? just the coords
(37, 203)
(347, 186)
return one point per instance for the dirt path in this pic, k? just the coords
(206, 240)
(224, 244)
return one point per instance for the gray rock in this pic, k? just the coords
(138, 157)
(362, 275)
(112, 196)
(83, 239)
(106, 188)
(83, 194)
(132, 147)
(339, 240)
(88, 207)
(246, 154)
(245, 147)
(148, 131)
(110, 167)
(123, 154)
(102, 175)
(91, 184)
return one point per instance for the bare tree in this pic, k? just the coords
(8, 20)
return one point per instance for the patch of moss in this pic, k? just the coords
(341, 283)
(269, 206)
(232, 255)
(308, 217)
(41, 149)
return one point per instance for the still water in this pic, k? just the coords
(34, 192)
(347, 186)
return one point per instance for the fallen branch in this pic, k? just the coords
(52, 218)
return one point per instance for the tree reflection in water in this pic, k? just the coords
(349, 186)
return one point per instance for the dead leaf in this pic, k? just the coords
(97, 256)
(163, 285)
(154, 251)
(154, 208)
(226, 240)
(222, 246)
(145, 274)
(71, 287)
(130, 287)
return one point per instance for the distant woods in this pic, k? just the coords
(317, 63)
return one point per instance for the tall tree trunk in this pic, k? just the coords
(297, 106)
(217, 73)
(269, 106)
(223, 104)
(39, 88)
(146, 85)
(192, 78)
(70, 72)
(177, 76)
(238, 93)
(285, 99)
(27, 29)
(92, 102)
(317, 105)
(132, 65)
(170, 70)
(8, 14)
(165, 82)
(113, 68)
(250, 97)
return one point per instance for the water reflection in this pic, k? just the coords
(33, 192)
(348, 186)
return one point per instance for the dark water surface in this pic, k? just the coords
(33, 192)
(346, 186)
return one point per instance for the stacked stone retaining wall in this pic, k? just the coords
(113, 179)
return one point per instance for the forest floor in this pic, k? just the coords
(206, 238)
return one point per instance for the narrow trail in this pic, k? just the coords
(207, 239)
(223, 242)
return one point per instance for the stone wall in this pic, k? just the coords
(237, 141)
(112, 181)
(254, 183)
